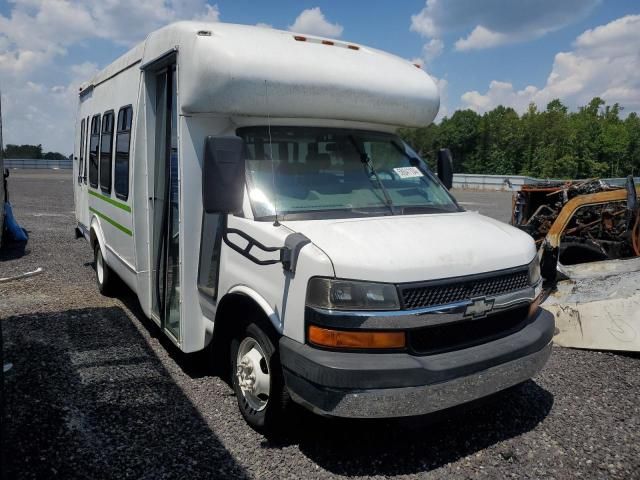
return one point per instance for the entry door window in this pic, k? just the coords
(81, 164)
(166, 205)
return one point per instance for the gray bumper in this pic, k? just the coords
(361, 385)
(408, 401)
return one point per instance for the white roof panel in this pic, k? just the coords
(240, 70)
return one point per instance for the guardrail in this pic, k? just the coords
(470, 181)
(511, 183)
(38, 163)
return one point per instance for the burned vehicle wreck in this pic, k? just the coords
(588, 234)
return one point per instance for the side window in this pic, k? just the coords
(106, 143)
(123, 143)
(94, 144)
(81, 164)
(210, 243)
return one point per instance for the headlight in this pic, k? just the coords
(351, 295)
(534, 271)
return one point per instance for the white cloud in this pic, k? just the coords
(211, 14)
(619, 36)
(423, 22)
(496, 22)
(432, 49)
(443, 85)
(481, 38)
(605, 63)
(34, 113)
(39, 88)
(313, 22)
(39, 30)
(84, 70)
(500, 93)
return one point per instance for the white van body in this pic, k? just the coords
(190, 81)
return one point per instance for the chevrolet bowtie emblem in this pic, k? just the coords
(479, 307)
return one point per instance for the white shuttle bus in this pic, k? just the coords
(249, 186)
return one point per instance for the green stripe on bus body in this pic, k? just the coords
(123, 206)
(112, 222)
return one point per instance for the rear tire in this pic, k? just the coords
(257, 379)
(105, 278)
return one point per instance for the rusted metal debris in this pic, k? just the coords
(587, 221)
(588, 234)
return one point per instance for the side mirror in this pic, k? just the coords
(445, 167)
(223, 174)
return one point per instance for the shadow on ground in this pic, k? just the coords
(390, 447)
(87, 397)
(418, 444)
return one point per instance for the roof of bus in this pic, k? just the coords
(241, 70)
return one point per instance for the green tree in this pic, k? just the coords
(23, 151)
(631, 158)
(54, 156)
(460, 135)
(593, 141)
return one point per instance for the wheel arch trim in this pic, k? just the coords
(261, 302)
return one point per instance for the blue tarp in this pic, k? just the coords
(14, 231)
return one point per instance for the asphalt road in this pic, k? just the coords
(96, 391)
(492, 204)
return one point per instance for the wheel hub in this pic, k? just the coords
(252, 372)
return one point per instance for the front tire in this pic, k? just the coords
(104, 275)
(256, 375)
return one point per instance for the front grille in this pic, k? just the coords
(466, 333)
(428, 295)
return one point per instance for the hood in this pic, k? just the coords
(417, 247)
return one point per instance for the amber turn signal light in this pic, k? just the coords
(324, 337)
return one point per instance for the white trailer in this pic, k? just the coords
(248, 185)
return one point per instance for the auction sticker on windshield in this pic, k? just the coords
(408, 172)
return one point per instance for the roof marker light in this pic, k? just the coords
(353, 47)
(327, 42)
(204, 33)
(417, 65)
(300, 38)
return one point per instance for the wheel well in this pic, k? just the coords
(233, 312)
(93, 238)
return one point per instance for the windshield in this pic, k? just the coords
(308, 172)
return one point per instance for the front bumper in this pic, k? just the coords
(366, 385)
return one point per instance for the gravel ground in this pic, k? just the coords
(97, 392)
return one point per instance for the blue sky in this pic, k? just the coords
(482, 52)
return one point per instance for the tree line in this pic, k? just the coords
(31, 151)
(594, 141)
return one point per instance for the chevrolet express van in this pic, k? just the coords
(248, 185)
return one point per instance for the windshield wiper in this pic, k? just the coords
(364, 158)
(415, 209)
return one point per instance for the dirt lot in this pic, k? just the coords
(96, 392)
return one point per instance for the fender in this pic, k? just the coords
(97, 228)
(274, 318)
